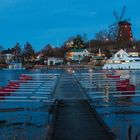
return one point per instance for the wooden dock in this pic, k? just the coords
(74, 118)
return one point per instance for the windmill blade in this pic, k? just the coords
(123, 12)
(116, 15)
(113, 32)
(114, 24)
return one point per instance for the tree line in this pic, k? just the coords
(103, 40)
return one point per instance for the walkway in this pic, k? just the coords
(75, 119)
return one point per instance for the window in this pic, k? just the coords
(118, 55)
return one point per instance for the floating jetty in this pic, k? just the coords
(73, 116)
(67, 106)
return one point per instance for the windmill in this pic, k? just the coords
(121, 29)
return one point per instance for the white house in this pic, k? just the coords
(122, 60)
(8, 57)
(77, 54)
(54, 61)
(120, 55)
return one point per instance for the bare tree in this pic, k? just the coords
(28, 52)
(17, 52)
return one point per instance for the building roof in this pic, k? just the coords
(136, 49)
(124, 23)
(121, 54)
(78, 50)
(98, 58)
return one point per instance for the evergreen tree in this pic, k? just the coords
(78, 42)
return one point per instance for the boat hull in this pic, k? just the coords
(133, 65)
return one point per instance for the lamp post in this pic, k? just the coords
(79, 58)
(89, 47)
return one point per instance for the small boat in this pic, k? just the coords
(3, 92)
(25, 78)
(125, 85)
(8, 90)
(131, 87)
(122, 83)
(16, 84)
(112, 76)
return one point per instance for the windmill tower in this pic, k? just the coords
(122, 27)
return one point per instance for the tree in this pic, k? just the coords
(28, 52)
(17, 52)
(76, 42)
(48, 51)
(102, 35)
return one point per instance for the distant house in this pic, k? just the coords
(54, 61)
(39, 57)
(77, 54)
(7, 57)
(135, 52)
(121, 54)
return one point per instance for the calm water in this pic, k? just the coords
(6, 75)
(30, 119)
(25, 120)
(122, 114)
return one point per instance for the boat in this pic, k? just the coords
(25, 78)
(112, 76)
(122, 60)
(125, 86)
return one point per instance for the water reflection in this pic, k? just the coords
(25, 111)
(119, 106)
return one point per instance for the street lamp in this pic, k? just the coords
(79, 58)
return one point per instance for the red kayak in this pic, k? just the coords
(3, 92)
(125, 85)
(112, 76)
(14, 84)
(26, 77)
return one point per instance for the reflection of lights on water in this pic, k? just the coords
(73, 71)
(69, 70)
(90, 70)
(106, 93)
(90, 74)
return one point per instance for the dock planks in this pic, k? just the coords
(74, 118)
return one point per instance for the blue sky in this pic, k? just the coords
(53, 21)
